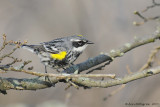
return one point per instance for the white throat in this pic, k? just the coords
(80, 49)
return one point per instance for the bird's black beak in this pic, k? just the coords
(89, 42)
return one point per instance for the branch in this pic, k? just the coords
(91, 62)
(25, 84)
(40, 83)
(117, 81)
(82, 80)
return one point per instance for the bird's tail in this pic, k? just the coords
(31, 48)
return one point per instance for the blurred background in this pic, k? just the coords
(108, 23)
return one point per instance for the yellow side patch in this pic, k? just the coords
(59, 56)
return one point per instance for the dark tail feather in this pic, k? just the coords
(29, 47)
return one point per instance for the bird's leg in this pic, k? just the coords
(58, 70)
(64, 68)
(45, 69)
(70, 82)
(46, 77)
(71, 64)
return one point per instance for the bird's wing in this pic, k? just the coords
(53, 46)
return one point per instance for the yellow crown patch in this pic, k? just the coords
(79, 35)
(59, 56)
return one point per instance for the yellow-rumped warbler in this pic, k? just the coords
(59, 52)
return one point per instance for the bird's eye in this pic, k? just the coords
(80, 43)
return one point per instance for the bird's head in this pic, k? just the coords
(79, 43)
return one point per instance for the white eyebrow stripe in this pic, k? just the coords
(75, 40)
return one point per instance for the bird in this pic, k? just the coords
(60, 52)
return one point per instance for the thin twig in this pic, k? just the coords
(128, 69)
(145, 19)
(150, 59)
(140, 15)
(7, 55)
(71, 84)
(61, 76)
(14, 61)
(114, 92)
(152, 6)
(4, 42)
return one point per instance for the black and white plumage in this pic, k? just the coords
(60, 52)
